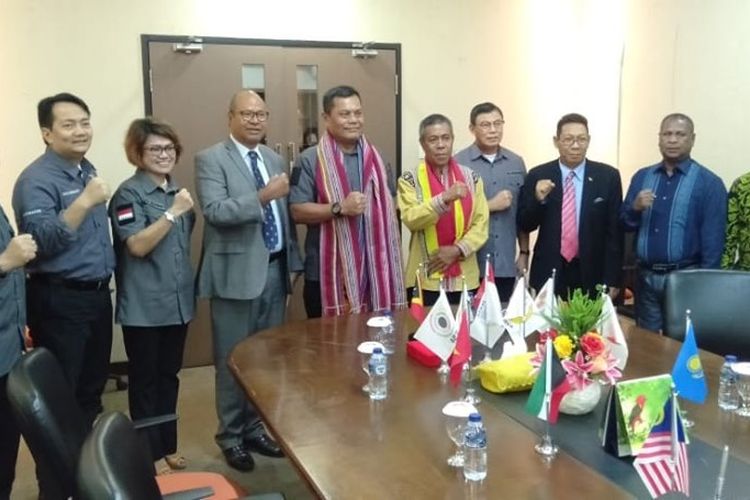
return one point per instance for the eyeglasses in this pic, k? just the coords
(169, 149)
(569, 140)
(249, 116)
(497, 124)
(677, 135)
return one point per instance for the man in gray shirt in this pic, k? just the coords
(502, 172)
(60, 201)
(15, 251)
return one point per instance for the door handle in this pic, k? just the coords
(291, 154)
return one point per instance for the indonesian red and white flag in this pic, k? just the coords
(462, 352)
(612, 332)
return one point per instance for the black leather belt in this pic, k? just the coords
(665, 268)
(51, 279)
(275, 256)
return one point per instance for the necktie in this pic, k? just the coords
(270, 232)
(569, 240)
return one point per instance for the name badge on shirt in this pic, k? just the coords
(125, 214)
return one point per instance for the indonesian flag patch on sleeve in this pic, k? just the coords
(125, 214)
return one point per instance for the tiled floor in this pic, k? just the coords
(197, 425)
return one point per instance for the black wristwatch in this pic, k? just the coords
(336, 209)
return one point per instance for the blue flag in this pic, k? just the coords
(688, 372)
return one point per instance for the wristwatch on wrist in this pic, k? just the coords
(336, 209)
(170, 217)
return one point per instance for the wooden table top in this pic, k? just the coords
(305, 379)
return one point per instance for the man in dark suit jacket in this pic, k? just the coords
(248, 252)
(588, 250)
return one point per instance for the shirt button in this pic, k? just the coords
(656, 230)
(664, 198)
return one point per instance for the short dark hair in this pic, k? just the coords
(482, 108)
(138, 133)
(433, 119)
(340, 92)
(678, 116)
(572, 118)
(44, 108)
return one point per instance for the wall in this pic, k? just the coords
(622, 63)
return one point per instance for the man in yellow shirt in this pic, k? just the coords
(443, 205)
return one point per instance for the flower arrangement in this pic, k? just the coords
(583, 352)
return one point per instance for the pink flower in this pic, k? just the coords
(593, 344)
(578, 371)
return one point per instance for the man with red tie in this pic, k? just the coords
(574, 203)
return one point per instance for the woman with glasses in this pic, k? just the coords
(152, 219)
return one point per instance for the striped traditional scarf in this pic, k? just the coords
(346, 276)
(452, 225)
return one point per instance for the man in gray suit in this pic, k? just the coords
(248, 252)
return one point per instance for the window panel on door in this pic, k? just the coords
(307, 105)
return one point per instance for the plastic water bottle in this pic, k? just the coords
(729, 398)
(475, 449)
(388, 333)
(378, 370)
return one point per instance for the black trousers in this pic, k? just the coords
(505, 288)
(312, 300)
(76, 326)
(9, 438)
(568, 278)
(154, 359)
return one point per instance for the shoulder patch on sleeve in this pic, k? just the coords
(409, 177)
(125, 214)
(475, 177)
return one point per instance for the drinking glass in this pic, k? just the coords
(455, 415)
(743, 387)
(365, 350)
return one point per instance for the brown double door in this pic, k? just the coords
(192, 92)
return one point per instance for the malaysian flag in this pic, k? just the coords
(662, 463)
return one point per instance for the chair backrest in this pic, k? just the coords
(114, 464)
(718, 302)
(49, 418)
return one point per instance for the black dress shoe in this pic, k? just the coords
(239, 458)
(264, 445)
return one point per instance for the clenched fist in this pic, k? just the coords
(456, 191)
(501, 201)
(182, 203)
(354, 204)
(543, 188)
(644, 200)
(277, 187)
(96, 191)
(20, 250)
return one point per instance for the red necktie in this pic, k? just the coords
(569, 240)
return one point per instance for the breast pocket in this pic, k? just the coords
(152, 211)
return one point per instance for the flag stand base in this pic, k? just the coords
(545, 447)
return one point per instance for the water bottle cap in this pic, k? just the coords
(475, 417)
(731, 358)
(377, 350)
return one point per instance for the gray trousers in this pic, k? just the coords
(233, 321)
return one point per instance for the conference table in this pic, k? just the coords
(305, 379)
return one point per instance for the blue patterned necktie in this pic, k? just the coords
(270, 232)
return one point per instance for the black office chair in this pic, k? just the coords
(49, 418)
(52, 425)
(114, 465)
(718, 302)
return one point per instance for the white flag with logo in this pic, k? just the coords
(519, 311)
(612, 332)
(438, 331)
(488, 325)
(545, 305)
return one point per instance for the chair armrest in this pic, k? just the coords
(191, 494)
(152, 421)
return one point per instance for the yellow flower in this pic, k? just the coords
(563, 346)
